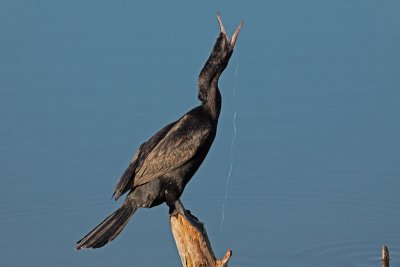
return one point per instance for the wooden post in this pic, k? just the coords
(385, 256)
(192, 241)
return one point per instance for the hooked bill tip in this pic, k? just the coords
(235, 35)
(221, 25)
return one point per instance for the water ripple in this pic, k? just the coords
(354, 252)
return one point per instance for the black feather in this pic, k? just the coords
(109, 229)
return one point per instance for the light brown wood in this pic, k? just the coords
(192, 241)
(385, 256)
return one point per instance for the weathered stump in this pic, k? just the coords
(192, 241)
(385, 256)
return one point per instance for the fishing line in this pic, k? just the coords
(232, 145)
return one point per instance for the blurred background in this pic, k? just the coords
(315, 86)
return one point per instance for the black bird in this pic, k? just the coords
(162, 166)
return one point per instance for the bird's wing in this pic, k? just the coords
(178, 146)
(126, 181)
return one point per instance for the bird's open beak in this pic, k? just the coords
(232, 42)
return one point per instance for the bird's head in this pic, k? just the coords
(218, 60)
(223, 47)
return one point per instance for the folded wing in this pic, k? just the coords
(178, 147)
(125, 182)
(170, 148)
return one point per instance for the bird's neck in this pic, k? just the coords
(212, 104)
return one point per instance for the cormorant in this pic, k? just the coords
(162, 166)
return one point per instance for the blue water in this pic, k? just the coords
(316, 171)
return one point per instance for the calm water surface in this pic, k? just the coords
(315, 178)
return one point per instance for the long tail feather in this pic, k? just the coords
(109, 229)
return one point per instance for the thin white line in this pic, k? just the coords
(232, 156)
